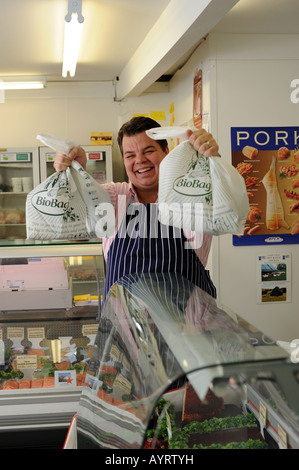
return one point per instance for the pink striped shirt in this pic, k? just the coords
(122, 193)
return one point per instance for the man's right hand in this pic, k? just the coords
(62, 161)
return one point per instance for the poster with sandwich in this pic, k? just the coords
(268, 160)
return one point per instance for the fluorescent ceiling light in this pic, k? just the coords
(22, 83)
(72, 36)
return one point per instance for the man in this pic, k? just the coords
(128, 252)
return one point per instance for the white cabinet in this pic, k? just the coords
(19, 173)
(99, 162)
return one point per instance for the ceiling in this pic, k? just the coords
(33, 30)
(31, 33)
(262, 17)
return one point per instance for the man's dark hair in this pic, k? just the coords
(136, 125)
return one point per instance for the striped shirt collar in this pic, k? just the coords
(133, 192)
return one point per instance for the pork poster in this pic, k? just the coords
(268, 160)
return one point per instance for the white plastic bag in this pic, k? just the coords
(204, 194)
(64, 206)
(59, 144)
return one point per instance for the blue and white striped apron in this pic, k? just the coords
(143, 245)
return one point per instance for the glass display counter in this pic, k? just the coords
(173, 369)
(50, 299)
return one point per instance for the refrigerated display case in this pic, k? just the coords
(19, 173)
(99, 162)
(50, 297)
(171, 368)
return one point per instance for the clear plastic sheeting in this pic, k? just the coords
(166, 356)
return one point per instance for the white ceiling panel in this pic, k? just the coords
(31, 33)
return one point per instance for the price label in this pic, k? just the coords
(263, 413)
(17, 332)
(90, 329)
(282, 437)
(33, 333)
(26, 362)
(122, 383)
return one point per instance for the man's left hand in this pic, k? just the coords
(203, 142)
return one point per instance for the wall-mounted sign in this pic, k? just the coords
(268, 160)
(274, 278)
(197, 99)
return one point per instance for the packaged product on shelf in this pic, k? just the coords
(12, 216)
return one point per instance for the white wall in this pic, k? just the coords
(72, 110)
(250, 78)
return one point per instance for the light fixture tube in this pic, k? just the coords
(72, 36)
(22, 83)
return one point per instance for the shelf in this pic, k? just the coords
(15, 165)
(11, 193)
(30, 409)
(31, 249)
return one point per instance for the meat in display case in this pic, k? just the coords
(171, 368)
(49, 313)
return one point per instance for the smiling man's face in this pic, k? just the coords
(142, 157)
